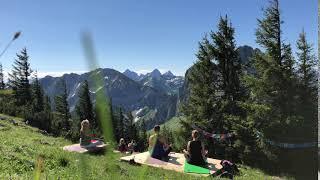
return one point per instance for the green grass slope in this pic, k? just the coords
(23, 149)
(174, 123)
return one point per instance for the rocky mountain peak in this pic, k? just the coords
(169, 74)
(155, 73)
(131, 74)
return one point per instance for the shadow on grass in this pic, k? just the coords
(290, 163)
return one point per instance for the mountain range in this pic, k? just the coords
(167, 82)
(152, 97)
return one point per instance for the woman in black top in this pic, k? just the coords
(195, 153)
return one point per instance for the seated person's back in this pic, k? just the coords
(196, 156)
(122, 147)
(157, 145)
(195, 151)
(132, 146)
(85, 139)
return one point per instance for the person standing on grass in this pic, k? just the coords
(158, 145)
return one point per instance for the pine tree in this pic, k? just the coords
(143, 129)
(47, 104)
(268, 34)
(133, 133)
(201, 107)
(47, 110)
(290, 80)
(288, 61)
(62, 106)
(232, 91)
(306, 63)
(143, 137)
(19, 78)
(84, 110)
(39, 114)
(114, 121)
(307, 104)
(307, 86)
(229, 72)
(13, 81)
(166, 132)
(127, 127)
(120, 123)
(268, 85)
(84, 107)
(37, 95)
(2, 85)
(216, 91)
(227, 60)
(272, 107)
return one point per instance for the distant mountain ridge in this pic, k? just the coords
(166, 82)
(153, 97)
(132, 75)
(132, 96)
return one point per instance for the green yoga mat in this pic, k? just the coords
(189, 168)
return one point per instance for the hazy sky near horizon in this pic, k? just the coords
(139, 35)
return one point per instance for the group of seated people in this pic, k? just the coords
(123, 147)
(88, 141)
(159, 148)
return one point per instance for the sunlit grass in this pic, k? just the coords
(6, 92)
(21, 146)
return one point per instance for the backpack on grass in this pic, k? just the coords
(228, 170)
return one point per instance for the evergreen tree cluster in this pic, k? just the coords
(26, 98)
(215, 90)
(19, 78)
(276, 101)
(125, 127)
(2, 85)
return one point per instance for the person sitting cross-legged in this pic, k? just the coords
(122, 147)
(195, 153)
(86, 139)
(158, 146)
(132, 146)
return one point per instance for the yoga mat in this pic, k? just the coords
(77, 148)
(189, 168)
(176, 162)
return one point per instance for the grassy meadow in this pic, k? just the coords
(28, 153)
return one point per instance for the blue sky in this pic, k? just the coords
(137, 34)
